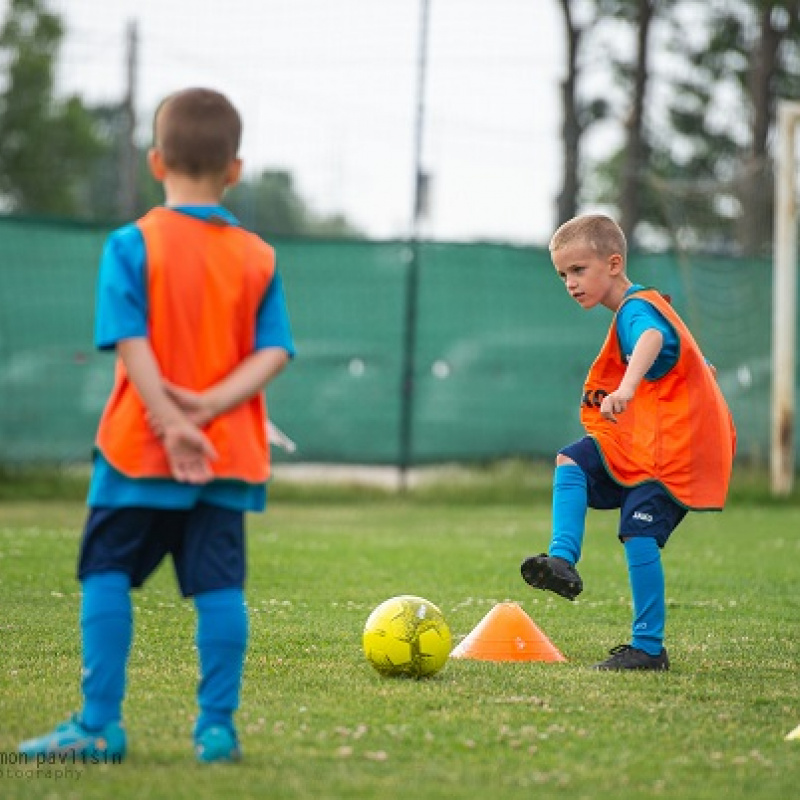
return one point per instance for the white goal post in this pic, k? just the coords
(784, 303)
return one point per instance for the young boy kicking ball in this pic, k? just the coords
(660, 438)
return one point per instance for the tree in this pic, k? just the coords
(721, 114)
(627, 168)
(46, 144)
(636, 150)
(62, 158)
(704, 174)
(98, 189)
(270, 204)
(577, 114)
(567, 201)
(774, 49)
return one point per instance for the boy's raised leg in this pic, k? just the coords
(555, 571)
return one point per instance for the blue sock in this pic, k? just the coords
(222, 633)
(569, 512)
(647, 586)
(107, 628)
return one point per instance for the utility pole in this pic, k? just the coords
(420, 176)
(128, 156)
(408, 387)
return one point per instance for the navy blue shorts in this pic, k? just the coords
(207, 545)
(645, 510)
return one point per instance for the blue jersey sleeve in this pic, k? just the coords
(121, 303)
(272, 325)
(121, 308)
(634, 318)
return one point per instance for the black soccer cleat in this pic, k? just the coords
(624, 656)
(552, 574)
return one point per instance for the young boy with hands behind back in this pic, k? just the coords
(195, 310)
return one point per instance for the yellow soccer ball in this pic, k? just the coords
(407, 636)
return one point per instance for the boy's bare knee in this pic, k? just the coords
(562, 460)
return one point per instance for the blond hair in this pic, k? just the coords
(597, 231)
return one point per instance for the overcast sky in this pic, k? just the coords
(327, 90)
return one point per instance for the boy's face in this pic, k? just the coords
(590, 279)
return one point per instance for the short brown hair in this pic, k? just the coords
(598, 231)
(198, 132)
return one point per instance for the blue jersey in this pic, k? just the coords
(121, 313)
(633, 319)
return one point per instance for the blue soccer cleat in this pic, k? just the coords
(216, 745)
(71, 738)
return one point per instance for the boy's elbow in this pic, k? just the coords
(271, 362)
(655, 336)
(280, 359)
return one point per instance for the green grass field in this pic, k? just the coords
(318, 722)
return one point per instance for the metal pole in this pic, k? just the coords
(419, 133)
(784, 305)
(128, 151)
(412, 272)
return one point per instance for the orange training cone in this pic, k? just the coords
(507, 633)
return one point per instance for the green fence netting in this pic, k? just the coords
(498, 360)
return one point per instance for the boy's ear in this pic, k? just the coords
(234, 173)
(617, 264)
(155, 161)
